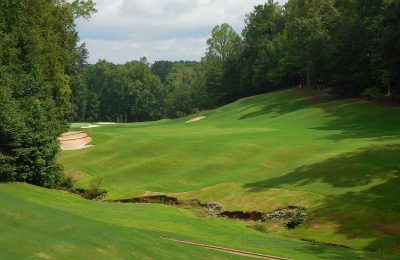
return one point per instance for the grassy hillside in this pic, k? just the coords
(339, 159)
(47, 224)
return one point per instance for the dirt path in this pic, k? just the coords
(228, 250)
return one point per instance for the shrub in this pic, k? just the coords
(96, 190)
(371, 93)
(297, 219)
(66, 183)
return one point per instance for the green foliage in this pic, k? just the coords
(11, 126)
(95, 189)
(39, 57)
(185, 91)
(346, 45)
(371, 93)
(135, 92)
(66, 183)
(82, 8)
(297, 218)
(123, 93)
(223, 42)
(221, 65)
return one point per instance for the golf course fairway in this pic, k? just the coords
(337, 159)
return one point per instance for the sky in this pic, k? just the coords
(125, 30)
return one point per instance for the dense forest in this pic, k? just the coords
(351, 46)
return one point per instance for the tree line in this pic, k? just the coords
(350, 46)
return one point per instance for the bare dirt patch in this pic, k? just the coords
(160, 199)
(74, 140)
(244, 216)
(196, 119)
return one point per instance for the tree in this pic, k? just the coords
(264, 52)
(223, 42)
(39, 53)
(220, 62)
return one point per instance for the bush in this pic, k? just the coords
(371, 93)
(66, 183)
(95, 190)
(297, 219)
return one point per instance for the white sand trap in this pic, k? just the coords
(90, 126)
(74, 140)
(196, 119)
(106, 123)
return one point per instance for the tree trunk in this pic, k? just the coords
(308, 79)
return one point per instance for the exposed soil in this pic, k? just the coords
(160, 199)
(74, 140)
(228, 250)
(244, 216)
(196, 119)
(283, 214)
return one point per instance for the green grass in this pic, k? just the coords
(338, 158)
(38, 223)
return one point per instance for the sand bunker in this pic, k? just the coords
(74, 140)
(106, 123)
(90, 126)
(196, 119)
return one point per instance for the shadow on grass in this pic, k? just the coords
(368, 177)
(376, 168)
(281, 103)
(351, 118)
(355, 120)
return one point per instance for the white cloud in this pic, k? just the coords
(120, 51)
(123, 30)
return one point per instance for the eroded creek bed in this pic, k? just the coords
(292, 216)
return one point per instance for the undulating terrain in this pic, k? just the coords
(338, 159)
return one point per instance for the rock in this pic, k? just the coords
(214, 206)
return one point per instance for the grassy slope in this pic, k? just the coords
(340, 159)
(39, 223)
